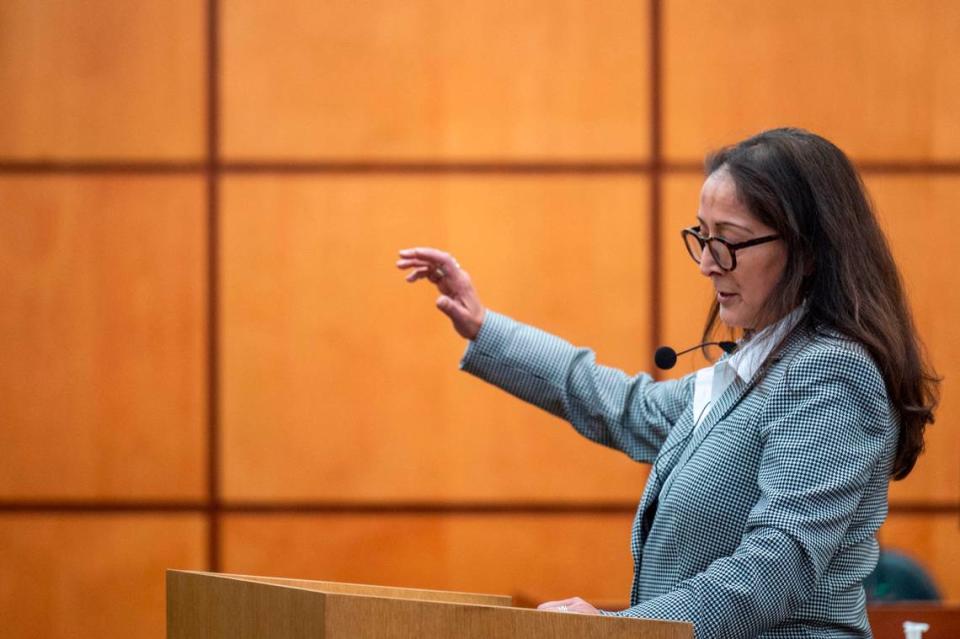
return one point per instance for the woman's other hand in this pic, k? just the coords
(574, 604)
(458, 299)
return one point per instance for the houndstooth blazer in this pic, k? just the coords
(760, 522)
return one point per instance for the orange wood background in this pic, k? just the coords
(208, 361)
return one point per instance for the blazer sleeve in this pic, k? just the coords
(630, 414)
(827, 443)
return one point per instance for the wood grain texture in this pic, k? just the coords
(533, 558)
(881, 79)
(431, 80)
(213, 606)
(887, 621)
(340, 381)
(102, 326)
(367, 618)
(67, 576)
(368, 590)
(101, 79)
(916, 212)
(931, 539)
(685, 294)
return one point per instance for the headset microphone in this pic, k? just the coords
(666, 357)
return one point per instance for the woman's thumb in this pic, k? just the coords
(465, 326)
(449, 307)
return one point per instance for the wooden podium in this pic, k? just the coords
(219, 606)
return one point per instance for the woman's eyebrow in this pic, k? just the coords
(721, 225)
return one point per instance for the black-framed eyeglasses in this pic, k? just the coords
(724, 253)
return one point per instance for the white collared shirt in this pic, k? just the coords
(712, 381)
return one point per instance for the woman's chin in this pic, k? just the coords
(732, 319)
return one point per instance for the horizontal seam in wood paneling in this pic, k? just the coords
(93, 167)
(94, 507)
(381, 507)
(423, 168)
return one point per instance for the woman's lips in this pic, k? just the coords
(725, 297)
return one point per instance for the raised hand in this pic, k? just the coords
(458, 299)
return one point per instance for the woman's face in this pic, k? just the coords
(743, 291)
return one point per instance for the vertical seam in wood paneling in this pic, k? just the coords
(656, 173)
(213, 290)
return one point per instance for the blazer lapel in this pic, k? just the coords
(721, 408)
(686, 438)
(731, 398)
(662, 466)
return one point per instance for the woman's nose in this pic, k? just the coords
(708, 265)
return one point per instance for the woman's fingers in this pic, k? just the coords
(410, 263)
(425, 253)
(429, 257)
(437, 266)
(551, 605)
(573, 604)
(458, 299)
(421, 273)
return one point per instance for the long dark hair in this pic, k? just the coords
(806, 188)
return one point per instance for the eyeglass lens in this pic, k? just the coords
(720, 252)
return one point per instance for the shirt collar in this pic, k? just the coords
(753, 351)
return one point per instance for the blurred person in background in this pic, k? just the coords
(770, 468)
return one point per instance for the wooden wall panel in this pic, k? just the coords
(529, 556)
(881, 79)
(340, 381)
(429, 79)
(917, 213)
(66, 576)
(931, 539)
(102, 79)
(102, 322)
(685, 293)
(911, 209)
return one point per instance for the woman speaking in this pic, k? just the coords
(770, 468)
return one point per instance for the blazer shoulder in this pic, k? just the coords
(827, 356)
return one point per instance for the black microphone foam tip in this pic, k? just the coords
(665, 357)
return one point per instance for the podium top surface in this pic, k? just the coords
(392, 592)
